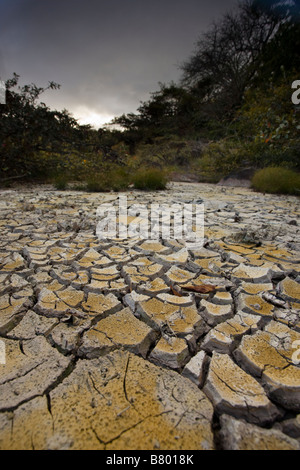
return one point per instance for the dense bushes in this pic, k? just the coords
(270, 123)
(218, 160)
(264, 132)
(232, 108)
(116, 179)
(235, 93)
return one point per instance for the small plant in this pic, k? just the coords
(150, 180)
(113, 180)
(218, 160)
(97, 183)
(61, 183)
(277, 180)
(119, 179)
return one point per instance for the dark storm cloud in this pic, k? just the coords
(106, 54)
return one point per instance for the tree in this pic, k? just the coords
(28, 127)
(170, 110)
(228, 56)
(288, 9)
(34, 140)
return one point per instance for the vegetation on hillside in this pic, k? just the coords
(231, 109)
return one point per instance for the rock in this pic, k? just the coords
(101, 305)
(234, 392)
(131, 299)
(33, 426)
(184, 301)
(241, 177)
(176, 275)
(174, 319)
(214, 313)
(293, 222)
(269, 355)
(222, 298)
(32, 325)
(12, 263)
(29, 371)
(225, 337)
(289, 290)
(255, 304)
(178, 258)
(153, 288)
(254, 289)
(12, 309)
(66, 336)
(120, 330)
(291, 427)
(149, 247)
(195, 368)
(170, 352)
(240, 435)
(254, 274)
(121, 402)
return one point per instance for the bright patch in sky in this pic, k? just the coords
(86, 116)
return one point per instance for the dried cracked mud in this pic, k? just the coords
(144, 344)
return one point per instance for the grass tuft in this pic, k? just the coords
(150, 180)
(277, 180)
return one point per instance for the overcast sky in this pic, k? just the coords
(107, 55)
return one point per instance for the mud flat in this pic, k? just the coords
(149, 344)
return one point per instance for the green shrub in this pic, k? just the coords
(119, 179)
(150, 180)
(61, 183)
(167, 150)
(218, 160)
(277, 180)
(113, 180)
(97, 183)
